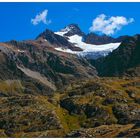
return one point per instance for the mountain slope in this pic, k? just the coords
(42, 63)
(56, 40)
(125, 60)
(105, 107)
(95, 39)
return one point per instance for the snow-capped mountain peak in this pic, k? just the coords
(75, 36)
(72, 40)
(71, 29)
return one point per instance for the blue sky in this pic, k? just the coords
(15, 18)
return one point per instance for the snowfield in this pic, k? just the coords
(89, 50)
(77, 40)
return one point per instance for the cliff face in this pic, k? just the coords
(125, 60)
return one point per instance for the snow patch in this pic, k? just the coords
(63, 31)
(66, 50)
(20, 51)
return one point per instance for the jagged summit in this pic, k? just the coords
(54, 39)
(70, 30)
(72, 26)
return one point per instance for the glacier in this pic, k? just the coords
(89, 50)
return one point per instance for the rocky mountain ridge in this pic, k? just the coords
(125, 60)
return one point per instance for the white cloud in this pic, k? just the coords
(41, 17)
(109, 25)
